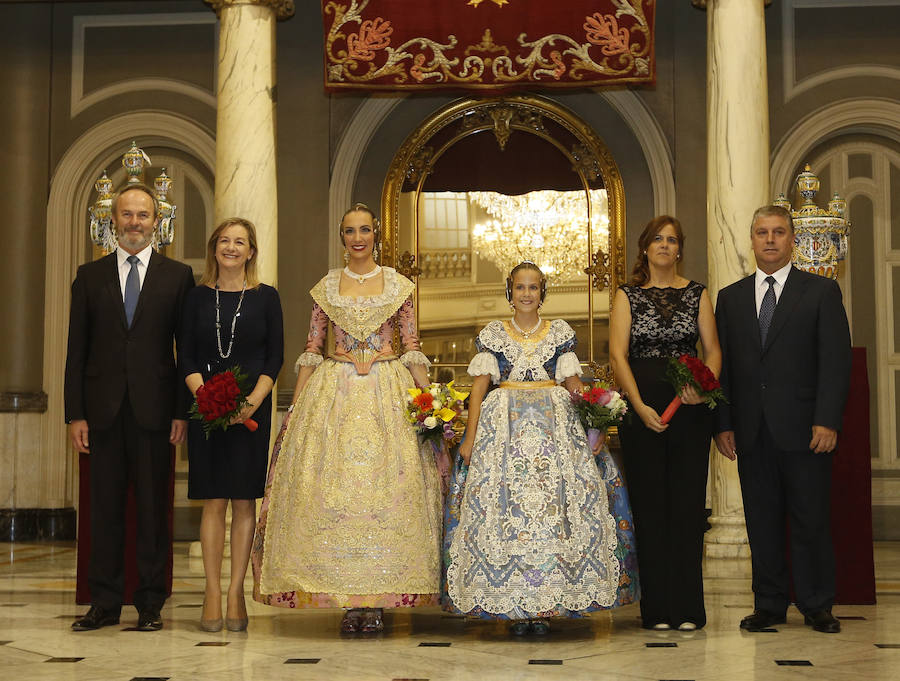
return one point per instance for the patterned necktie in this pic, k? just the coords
(766, 309)
(132, 289)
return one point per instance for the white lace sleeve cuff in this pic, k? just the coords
(567, 365)
(307, 359)
(414, 357)
(485, 364)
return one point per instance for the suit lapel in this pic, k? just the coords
(149, 279)
(114, 287)
(747, 305)
(790, 296)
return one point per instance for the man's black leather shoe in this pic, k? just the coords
(822, 620)
(761, 619)
(149, 620)
(95, 618)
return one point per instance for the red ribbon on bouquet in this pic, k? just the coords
(688, 370)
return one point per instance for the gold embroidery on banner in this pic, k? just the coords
(622, 56)
(499, 3)
(361, 317)
(487, 44)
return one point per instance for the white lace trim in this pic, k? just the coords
(414, 357)
(526, 357)
(307, 359)
(361, 316)
(485, 364)
(567, 365)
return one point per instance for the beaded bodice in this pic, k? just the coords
(664, 320)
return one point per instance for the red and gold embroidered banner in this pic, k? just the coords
(487, 44)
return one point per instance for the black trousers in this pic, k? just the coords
(778, 486)
(123, 454)
(666, 476)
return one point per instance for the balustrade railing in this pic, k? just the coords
(446, 263)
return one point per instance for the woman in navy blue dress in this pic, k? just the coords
(230, 319)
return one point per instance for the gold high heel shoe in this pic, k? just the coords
(237, 623)
(211, 626)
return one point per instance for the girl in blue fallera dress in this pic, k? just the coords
(535, 527)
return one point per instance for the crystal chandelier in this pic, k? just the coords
(547, 227)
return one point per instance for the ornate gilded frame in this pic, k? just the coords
(589, 157)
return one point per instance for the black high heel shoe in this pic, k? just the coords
(372, 621)
(351, 620)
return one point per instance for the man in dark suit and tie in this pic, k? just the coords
(786, 371)
(125, 404)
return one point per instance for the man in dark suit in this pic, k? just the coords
(786, 371)
(125, 404)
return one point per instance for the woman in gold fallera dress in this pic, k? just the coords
(352, 512)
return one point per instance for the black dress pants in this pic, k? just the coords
(778, 486)
(666, 476)
(122, 454)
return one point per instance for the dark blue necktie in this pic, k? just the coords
(766, 309)
(132, 288)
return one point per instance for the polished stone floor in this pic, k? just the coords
(37, 606)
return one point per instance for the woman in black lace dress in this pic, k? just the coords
(659, 315)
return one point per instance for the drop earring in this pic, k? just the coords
(346, 257)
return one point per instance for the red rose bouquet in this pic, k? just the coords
(687, 370)
(598, 407)
(220, 399)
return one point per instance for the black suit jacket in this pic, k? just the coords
(800, 378)
(105, 357)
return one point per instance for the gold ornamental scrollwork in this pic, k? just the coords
(499, 3)
(502, 119)
(586, 162)
(407, 265)
(599, 271)
(419, 165)
(601, 372)
(284, 9)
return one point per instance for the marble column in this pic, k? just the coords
(246, 181)
(737, 183)
(245, 121)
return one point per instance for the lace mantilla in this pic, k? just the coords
(664, 320)
(361, 317)
(528, 356)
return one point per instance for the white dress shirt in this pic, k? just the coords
(762, 286)
(125, 266)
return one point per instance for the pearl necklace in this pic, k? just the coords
(361, 278)
(527, 334)
(237, 313)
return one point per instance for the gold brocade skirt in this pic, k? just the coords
(352, 512)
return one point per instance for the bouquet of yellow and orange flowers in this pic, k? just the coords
(436, 412)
